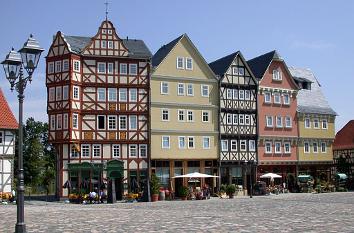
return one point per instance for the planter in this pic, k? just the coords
(154, 197)
(231, 196)
(183, 198)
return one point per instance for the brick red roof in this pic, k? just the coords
(7, 118)
(345, 137)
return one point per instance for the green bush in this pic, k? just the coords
(183, 191)
(223, 188)
(155, 184)
(230, 189)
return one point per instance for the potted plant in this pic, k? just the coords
(155, 187)
(183, 192)
(230, 190)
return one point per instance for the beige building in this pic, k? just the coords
(184, 114)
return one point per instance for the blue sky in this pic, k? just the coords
(311, 34)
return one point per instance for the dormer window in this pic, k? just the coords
(180, 62)
(277, 75)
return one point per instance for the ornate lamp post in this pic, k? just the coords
(13, 66)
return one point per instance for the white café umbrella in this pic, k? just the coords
(195, 175)
(270, 175)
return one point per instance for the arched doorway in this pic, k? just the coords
(115, 170)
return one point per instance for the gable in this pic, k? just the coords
(106, 42)
(59, 46)
(184, 48)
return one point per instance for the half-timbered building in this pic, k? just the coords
(8, 128)
(98, 97)
(184, 110)
(237, 118)
(278, 130)
(316, 123)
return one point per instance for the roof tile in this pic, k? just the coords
(345, 137)
(7, 118)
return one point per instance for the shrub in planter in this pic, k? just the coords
(230, 190)
(183, 192)
(155, 187)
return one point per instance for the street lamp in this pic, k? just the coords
(13, 65)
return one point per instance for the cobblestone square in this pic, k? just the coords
(332, 212)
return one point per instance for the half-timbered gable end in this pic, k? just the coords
(98, 97)
(8, 127)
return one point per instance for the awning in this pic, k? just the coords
(342, 176)
(85, 166)
(115, 169)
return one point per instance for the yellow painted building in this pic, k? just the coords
(316, 124)
(184, 114)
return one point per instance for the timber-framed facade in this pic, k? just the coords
(98, 97)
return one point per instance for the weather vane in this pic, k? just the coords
(106, 3)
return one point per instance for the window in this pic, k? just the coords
(166, 142)
(205, 116)
(229, 94)
(205, 90)
(133, 69)
(65, 65)
(235, 94)
(101, 122)
(165, 114)
(133, 95)
(122, 122)
(85, 150)
(112, 122)
(189, 63)
(133, 150)
(267, 97)
(65, 121)
(110, 68)
(315, 147)
(286, 99)
(180, 89)
(74, 153)
(191, 142)
(180, 62)
(243, 145)
(77, 66)
(58, 66)
(109, 31)
(190, 90)
(101, 67)
(277, 147)
(104, 44)
(287, 148)
(123, 69)
(115, 151)
(306, 147)
(324, 124)
(101, 94)
(268, 147)
(288, 123)
(52, 122)
(235, 119)
(277, 75)
(190, 115)
(52, 94)
(247, 95)
(241, 94)
(206, 142)
(96, 151)
(316, 123)
(164, 88)
(65, 92)
(229, 118)
(247, 119)
(181, 142)
(76, 93)
(279, 120)
(307, 123)
(75, 121)
(133, 123)
(143, 150)
(58, 93)
(110, 43)
(59, 121)
(252, 145)
(180, 115)
(112, 94)
(50, 67)
(241, 119)
(269, 121)
(323, 147)
(233, 145)
(122, 94)
(224, 145)
(277, 98)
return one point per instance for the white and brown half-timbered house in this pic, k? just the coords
(8, 128)
(237, 118)
(98, 95)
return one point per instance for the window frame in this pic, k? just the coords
(266, 96)
(98, 122)
(233, 143)
(141, 147)
(131, 65)
(116, 148)
(130, 150)
(184, 142)
(162, 86)
(96, 147)
(76, 65)
(276, 96)
(123, 92)
(122, 67)
(178, 63)
(114, 122)
(130, 122)
(120, 121)
(279, 124)
(270, 151)
(101, 94)
(269, 125)
(75, 118)
(307, 148)
(191, 139)
(180, 86)
(203, 140)
(85, 148)
(285, 151)
(286, 102)
(307, 119)
(179, 111)
(325, 147)
(243, 143)
(326, 123)
(110, 99)
(133, 90)
(101, 65)
(207, 116)
(168, 141)
(166, 113)
(288, 119)
(276, 151)
(202, 90)
(224, 144)
(191, 63)
(76, 91)
(188, 88)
